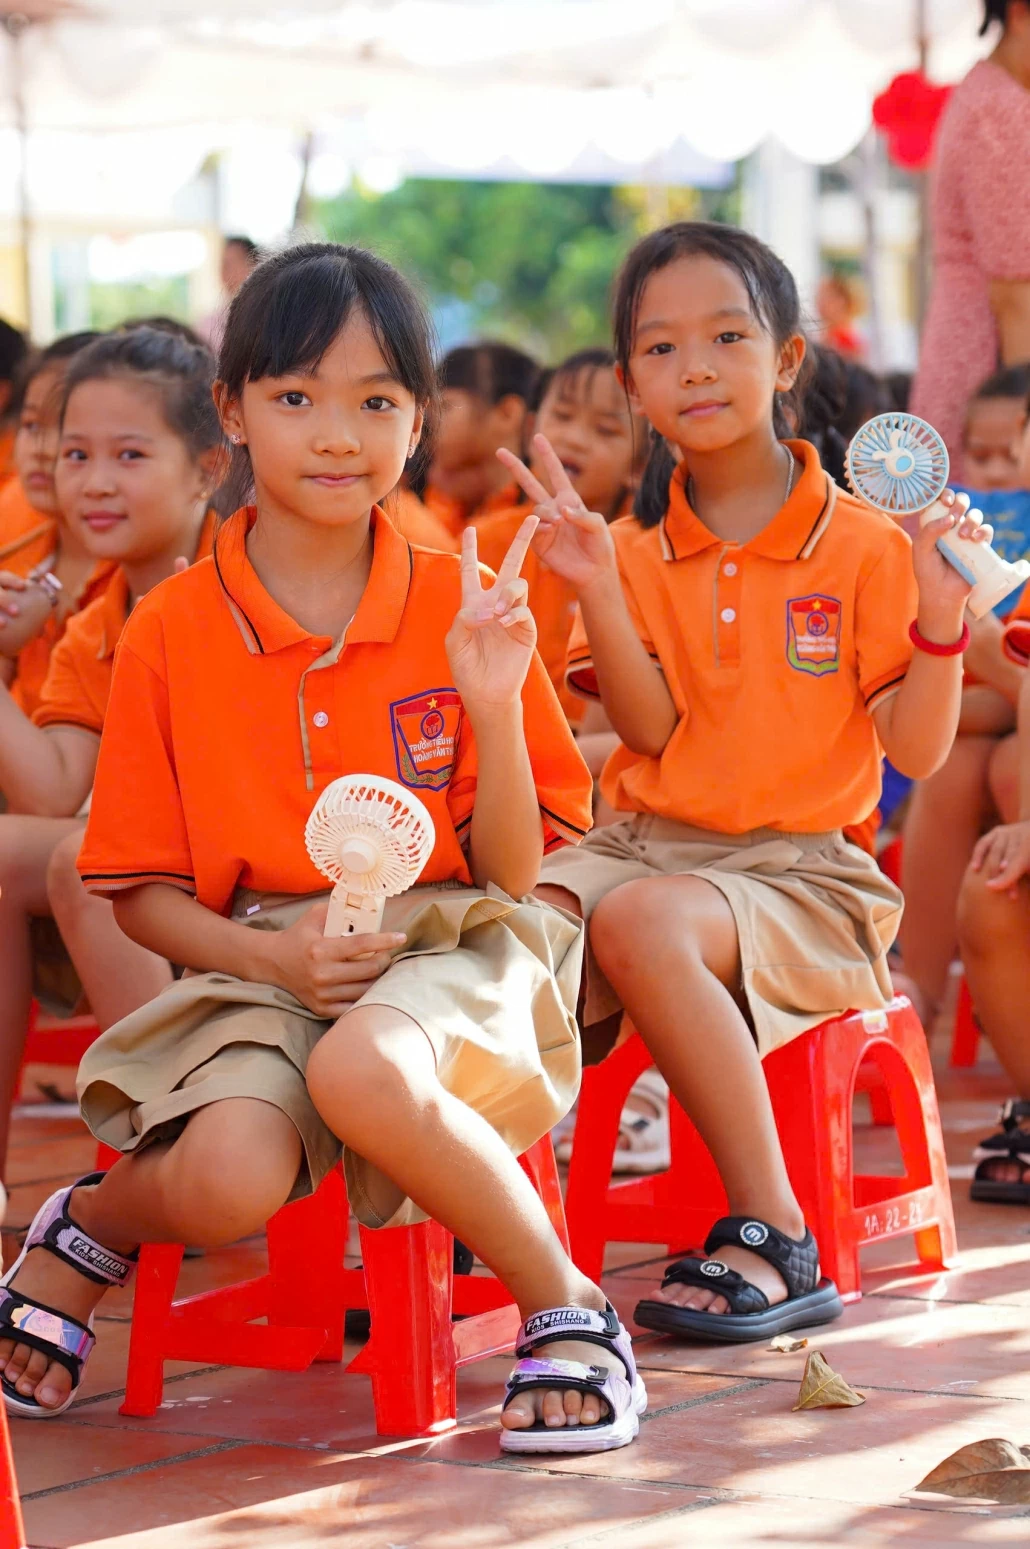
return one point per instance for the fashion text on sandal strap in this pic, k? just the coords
(810, 1299)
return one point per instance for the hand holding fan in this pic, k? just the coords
(371, 838)
(899, 464)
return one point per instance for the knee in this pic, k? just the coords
(626, 918)
(210, 1199)
(961, 779)
(63, 884)
(986, 917)
(356, 1080)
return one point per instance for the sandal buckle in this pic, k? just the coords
(713, 1268)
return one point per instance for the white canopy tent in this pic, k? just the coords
(120, 113)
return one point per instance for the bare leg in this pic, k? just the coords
(373, 1079)
(947, 814)
(1003, 778)
(230, 1170)
(994, 935)
(117, 975)
(25, 847)
(669, 947)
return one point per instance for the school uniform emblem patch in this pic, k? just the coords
(813, 634)
(425, 737)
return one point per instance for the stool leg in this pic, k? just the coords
(306, 1244)
(602, 1096)
(921, 1141)
(156, 1276)
(12, 1532)
(541, 1169)
(410, 1355)
(965, 1037)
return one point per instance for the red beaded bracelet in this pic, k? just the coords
(932, 648)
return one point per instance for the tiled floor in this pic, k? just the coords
(248, 1459)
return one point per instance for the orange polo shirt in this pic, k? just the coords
(27, 537)
(454, 514)
(417, 523)
(77, 684)
(34, 660)
(775, 651)
(7, 468)
(227, 720)
(551, 601)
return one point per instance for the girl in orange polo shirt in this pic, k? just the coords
(139, 442)
(750, 632)
(485, 392)
(317, 642)
(34, 540)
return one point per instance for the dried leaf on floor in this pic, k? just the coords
(994, 1469)
(786, 1344)
(823, 1388)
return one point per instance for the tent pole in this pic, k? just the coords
(15, 26)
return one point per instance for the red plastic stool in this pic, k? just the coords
(12, 1532)
(407, 1283)
(56, 1040)
(965, 1035)
(812, 1083)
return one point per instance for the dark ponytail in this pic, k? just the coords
(774, 302)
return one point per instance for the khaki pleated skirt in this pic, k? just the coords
(815, 915)
(492, 983)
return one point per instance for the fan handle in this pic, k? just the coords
(991, 577)
(352, 914)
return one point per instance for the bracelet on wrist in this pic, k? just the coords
(932, 648)
(51, 585)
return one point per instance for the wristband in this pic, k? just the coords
(51, 585)
(932, 648)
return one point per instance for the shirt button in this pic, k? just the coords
(727, 615)
(729, 569)
(320, 718)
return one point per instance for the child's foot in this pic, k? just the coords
(47, 1299)
(561, 1406)
(750, 1266)
(569, 1394)
(1002, 1174)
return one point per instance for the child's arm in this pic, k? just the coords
(44, 773)
(1004, 853)
(326, 974)
(490, 646)
(917, 725)
(576, 543)
(25, 607)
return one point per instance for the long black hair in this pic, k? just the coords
(774, 301)
(181, 373)
(288, 312)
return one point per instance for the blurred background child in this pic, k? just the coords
(485, 393)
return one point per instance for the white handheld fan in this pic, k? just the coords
(371, 838)
(899, 464)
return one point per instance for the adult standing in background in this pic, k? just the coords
(979, 312)
(240, 257)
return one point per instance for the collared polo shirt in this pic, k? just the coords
(76, 685)
(775, 651)
(228, 719)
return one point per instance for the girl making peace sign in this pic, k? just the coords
(317, 642)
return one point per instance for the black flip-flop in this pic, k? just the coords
(1010, 1144)
(810, 1298)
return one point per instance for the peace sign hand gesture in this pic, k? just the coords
(571, 540)
(490, 644)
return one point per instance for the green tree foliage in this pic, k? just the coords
(528, 262)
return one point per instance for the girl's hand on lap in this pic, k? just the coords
(942, 590)
(1003, 856)
(328, 973)
(490, 644)
(572, 541)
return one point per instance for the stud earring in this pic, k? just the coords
(235, 440)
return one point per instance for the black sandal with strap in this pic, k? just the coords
(1010, 1144)
(810, 1299)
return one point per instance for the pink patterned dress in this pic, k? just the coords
(980, 214)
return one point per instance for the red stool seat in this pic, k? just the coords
(812, 1082)
(407, 1283)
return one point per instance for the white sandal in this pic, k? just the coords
(643, 1143)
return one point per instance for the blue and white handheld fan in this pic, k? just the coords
(899, 464)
